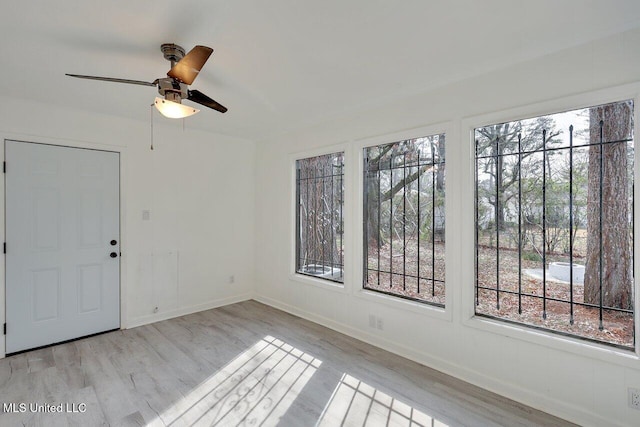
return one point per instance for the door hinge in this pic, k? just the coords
(5, 329)
(4, 248)
(4, 167)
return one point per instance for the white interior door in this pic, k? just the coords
(63, 243)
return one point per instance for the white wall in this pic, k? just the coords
(198, 187)
(581, 382)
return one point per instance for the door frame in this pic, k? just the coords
(121, 149)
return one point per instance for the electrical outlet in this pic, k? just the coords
(380, 324)
(232, 279)
(634, 398)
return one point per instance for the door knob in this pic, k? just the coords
(114, 242)
(113, 254)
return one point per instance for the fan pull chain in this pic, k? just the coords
(151, 121)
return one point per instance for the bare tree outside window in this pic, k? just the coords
(319, 222)
(554, 222)
(404, 191)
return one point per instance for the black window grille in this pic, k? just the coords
(404, 244)
(554, 223)
(319, 222)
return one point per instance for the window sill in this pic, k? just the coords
(318, 282)
(602, 352)
(405, 304)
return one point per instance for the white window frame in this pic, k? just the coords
(467, 195)
(307, 279)
(451, 205)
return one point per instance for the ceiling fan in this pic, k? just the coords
(175, 87)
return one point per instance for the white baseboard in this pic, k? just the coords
(157, 317)
(535, 400)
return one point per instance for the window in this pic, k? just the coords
(404, 219)
(319, 223)
(554, 223)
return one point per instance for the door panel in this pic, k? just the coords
(46, 216)
(62, 211)
(90, 288)
(45, 294)
(90, 225)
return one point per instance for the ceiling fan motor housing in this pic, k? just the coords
(172, 52)
(172, 89)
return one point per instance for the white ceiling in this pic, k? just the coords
(281, 65)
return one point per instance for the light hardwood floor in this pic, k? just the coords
(244, 364)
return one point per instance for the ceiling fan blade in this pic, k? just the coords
(109, 79)
(187, 69)
(202, 99)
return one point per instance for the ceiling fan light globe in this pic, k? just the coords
(174, 110)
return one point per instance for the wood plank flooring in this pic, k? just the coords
(243, 364)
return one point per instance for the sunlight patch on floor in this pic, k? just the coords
(256, 388)
(356, 403)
